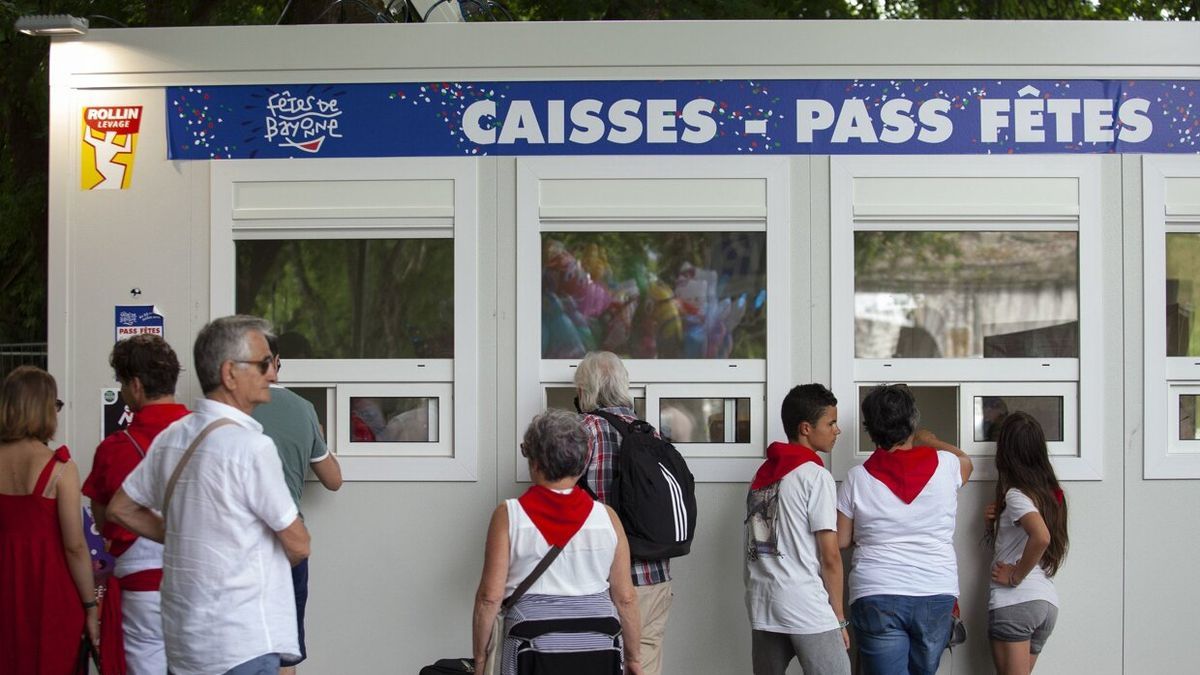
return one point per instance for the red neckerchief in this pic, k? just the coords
(149, 422)
(904, 472)
(557, 516)
(782, 459)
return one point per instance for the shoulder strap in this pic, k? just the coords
(533, 576)
(187, 455)
(43, 479)
(619, 424)
(136, 446)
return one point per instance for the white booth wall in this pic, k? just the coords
(395, 564)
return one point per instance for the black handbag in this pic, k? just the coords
(87, 654)
(449, 667)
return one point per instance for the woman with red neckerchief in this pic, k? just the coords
(898, 509)
(588, 583)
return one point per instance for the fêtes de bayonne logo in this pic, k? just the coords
(301, 122)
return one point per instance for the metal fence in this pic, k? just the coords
(21, 354)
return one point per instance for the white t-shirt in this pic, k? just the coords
(784, 591)
(227, 587)
(1010, 545)
(581, 569)
(903, 549)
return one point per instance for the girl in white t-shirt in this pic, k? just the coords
(1028, 526)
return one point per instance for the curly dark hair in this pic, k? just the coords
(890, 415)
(151, 360)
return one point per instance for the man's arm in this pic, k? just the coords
(831, 574)
(136, 518)
(295, 540)
(329, 472)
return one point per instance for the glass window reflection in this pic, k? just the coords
(381, 419)
(1183, 294)
(651, 295)
(352, 299)
(1187, 417)
(990, 412)
(966, 294)
(705, 420)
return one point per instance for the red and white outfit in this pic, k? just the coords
(903, 505)
(133, 601)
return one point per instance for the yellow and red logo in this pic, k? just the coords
(109, 143)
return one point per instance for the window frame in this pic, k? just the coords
(772, 217)
(1163, 456)
(1085, 462)
(458, 219)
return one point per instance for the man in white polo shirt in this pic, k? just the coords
(793, 564)
(230, 527)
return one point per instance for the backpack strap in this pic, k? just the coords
(187, 455)
(136, 446)
(619, 424)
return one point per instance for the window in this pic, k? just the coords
(673, 265)
(975, 281)
(367, 269)
(1171, 270)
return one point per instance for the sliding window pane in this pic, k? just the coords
(1188, 430)
(990, 412)
(1183, 294)
(352, 299)
(385, 419)
(966, 294)
(705, 420)
(655, 295)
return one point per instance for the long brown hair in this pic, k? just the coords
(1023, 463)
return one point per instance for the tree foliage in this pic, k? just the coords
(24, 104)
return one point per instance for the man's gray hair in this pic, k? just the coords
(221, 340)
(556, 442)
(603, 382)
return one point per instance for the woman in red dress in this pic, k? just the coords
(47, 598)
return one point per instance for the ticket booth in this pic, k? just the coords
(440, 220)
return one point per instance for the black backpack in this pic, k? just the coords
(653, 492)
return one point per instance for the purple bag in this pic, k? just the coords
(102, 562)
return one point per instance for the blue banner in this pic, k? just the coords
(683, 117)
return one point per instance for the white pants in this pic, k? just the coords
(145, 653)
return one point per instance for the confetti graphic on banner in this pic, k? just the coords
(202, 122)
(683, 117)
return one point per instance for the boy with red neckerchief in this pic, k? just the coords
(793, 563)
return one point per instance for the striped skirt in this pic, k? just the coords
(559, 634)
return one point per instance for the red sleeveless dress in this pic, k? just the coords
(41, 617)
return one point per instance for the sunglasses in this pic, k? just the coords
(263, 365)
(58, 405)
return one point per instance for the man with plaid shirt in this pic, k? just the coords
(602, 382)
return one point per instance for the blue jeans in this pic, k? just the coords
(300, 586)
(267, 664)
(899, 634)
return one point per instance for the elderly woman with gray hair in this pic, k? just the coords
(899, 509)
(582, 609)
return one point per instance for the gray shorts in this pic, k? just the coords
(1032, 621)
(822, 653)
